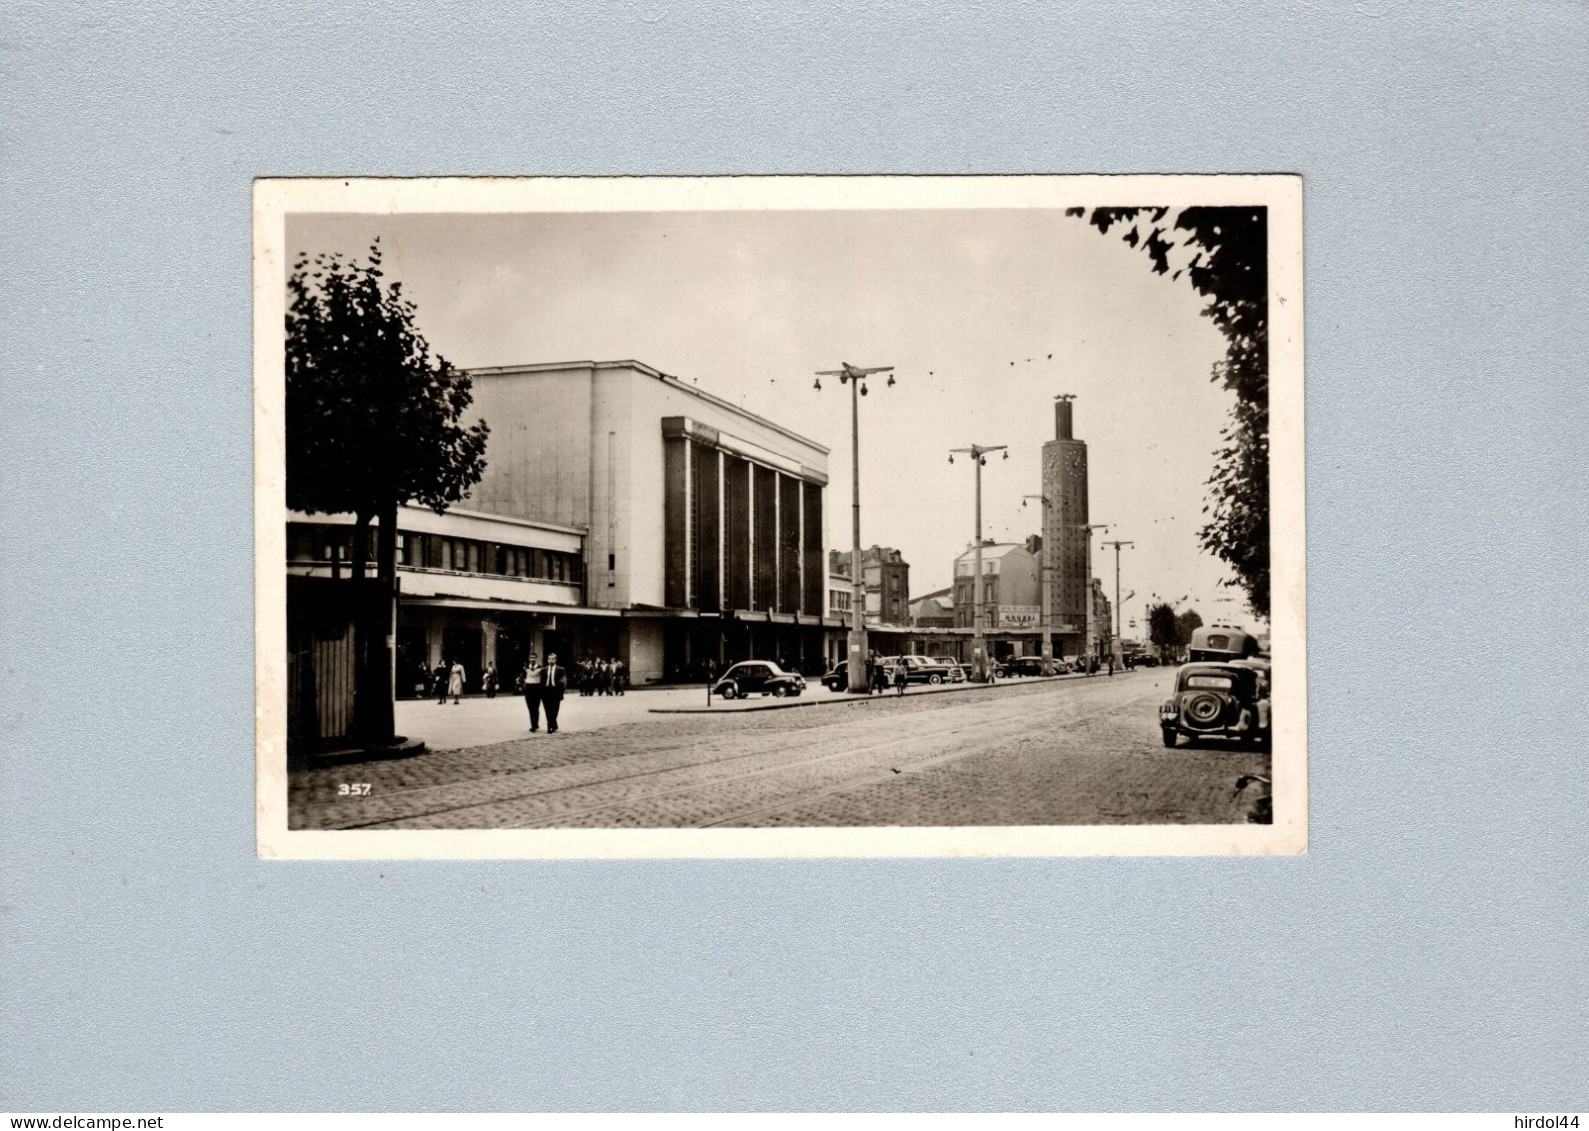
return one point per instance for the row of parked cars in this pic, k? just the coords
(942, 669)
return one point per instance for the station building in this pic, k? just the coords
(623, 513)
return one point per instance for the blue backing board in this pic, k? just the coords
(1427, 952)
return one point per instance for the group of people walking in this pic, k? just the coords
(542, 685)
(447, 680)
(596, 676)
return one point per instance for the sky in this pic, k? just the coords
(985, 314)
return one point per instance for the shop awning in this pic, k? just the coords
(443, 602)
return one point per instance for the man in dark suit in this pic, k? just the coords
(554, 681)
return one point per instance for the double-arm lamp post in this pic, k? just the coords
(1048, 585)
(1115, 651)
(855, 376)
(979, 645)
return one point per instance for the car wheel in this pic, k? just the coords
(935, 680)
(780, 691)
(1203, 709)
(728, 691)
(1170, 735)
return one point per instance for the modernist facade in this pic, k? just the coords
(622, 514)
(475, 587)
(1066, 533)
(704, 522)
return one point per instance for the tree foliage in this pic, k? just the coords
(1161, 627)
(1185, 625)
(372, 414)
(1224, 253)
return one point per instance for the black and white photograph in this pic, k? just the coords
(780, 516)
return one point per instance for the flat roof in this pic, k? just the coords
(641, 367)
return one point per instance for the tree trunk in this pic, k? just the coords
(361, 545)
(372, 612)
(381, 627)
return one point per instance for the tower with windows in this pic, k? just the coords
(1065, 487)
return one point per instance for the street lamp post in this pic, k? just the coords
(1048, 585)
(1090, 629)
(855, 376)
(979, 644)
(1115, 650)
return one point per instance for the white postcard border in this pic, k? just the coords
(274, 199)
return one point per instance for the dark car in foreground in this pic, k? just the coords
(749, 677)
(1218, 700)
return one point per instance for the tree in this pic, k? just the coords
(372, 421)
(1185, 624)
(1224, 253)
(1161, 629)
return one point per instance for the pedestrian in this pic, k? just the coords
(490, 680)
(455, 680)
(899, 676)
(554, 681)
(1111, 663)
(530, 681)
(604, 677)
(617, 677)
(438, 680)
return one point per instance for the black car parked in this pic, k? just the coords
(751, 676)
(1020, 665)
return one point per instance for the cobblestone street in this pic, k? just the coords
(1068, 752)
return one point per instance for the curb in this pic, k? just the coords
(408, 748)
(834, 700)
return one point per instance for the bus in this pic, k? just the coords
(1221, 642)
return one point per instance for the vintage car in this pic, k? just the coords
(1019, 666)
(837, 678)
(957, 672)
(1218, 700)
(918, 669)
(751, 676)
